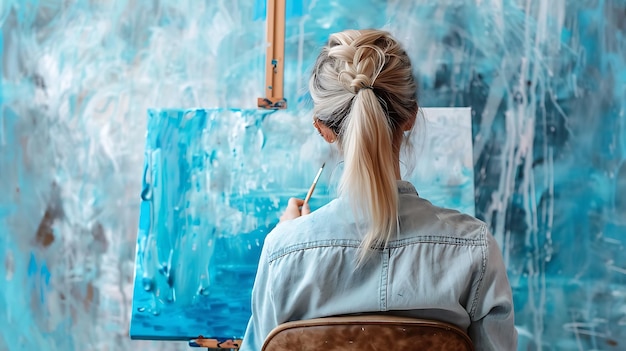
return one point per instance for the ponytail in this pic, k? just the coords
(369, 178)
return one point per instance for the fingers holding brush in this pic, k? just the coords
(298, 207)
(295, 208)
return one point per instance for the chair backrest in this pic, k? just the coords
(367, 332)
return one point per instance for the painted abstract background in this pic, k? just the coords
(546, 82)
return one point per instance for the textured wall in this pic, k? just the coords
(546, 81)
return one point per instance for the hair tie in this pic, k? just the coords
(371, 87)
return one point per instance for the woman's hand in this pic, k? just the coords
(295, 209)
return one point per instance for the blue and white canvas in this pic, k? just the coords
(215, 183)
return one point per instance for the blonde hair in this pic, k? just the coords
(363, 89)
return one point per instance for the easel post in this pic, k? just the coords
(274, 57)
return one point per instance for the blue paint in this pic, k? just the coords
(32, 265)
(78, 77)
(200, 231)
(2, 136)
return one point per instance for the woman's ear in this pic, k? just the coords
(328, 134)
(325, 132)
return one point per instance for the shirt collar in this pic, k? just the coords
(405, 187)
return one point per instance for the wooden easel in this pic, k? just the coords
(275, 57)
(215, 344)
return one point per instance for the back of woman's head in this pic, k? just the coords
(363, 89)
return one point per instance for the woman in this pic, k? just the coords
(378, 247)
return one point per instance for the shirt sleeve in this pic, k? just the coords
(493, 322)
(263, 318)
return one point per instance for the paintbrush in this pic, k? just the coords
(317, 177)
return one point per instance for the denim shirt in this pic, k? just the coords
(443, 265)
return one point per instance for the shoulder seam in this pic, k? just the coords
(313, 245)
(352, 243)
(437, 239)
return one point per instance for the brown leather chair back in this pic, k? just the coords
(365, 333)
